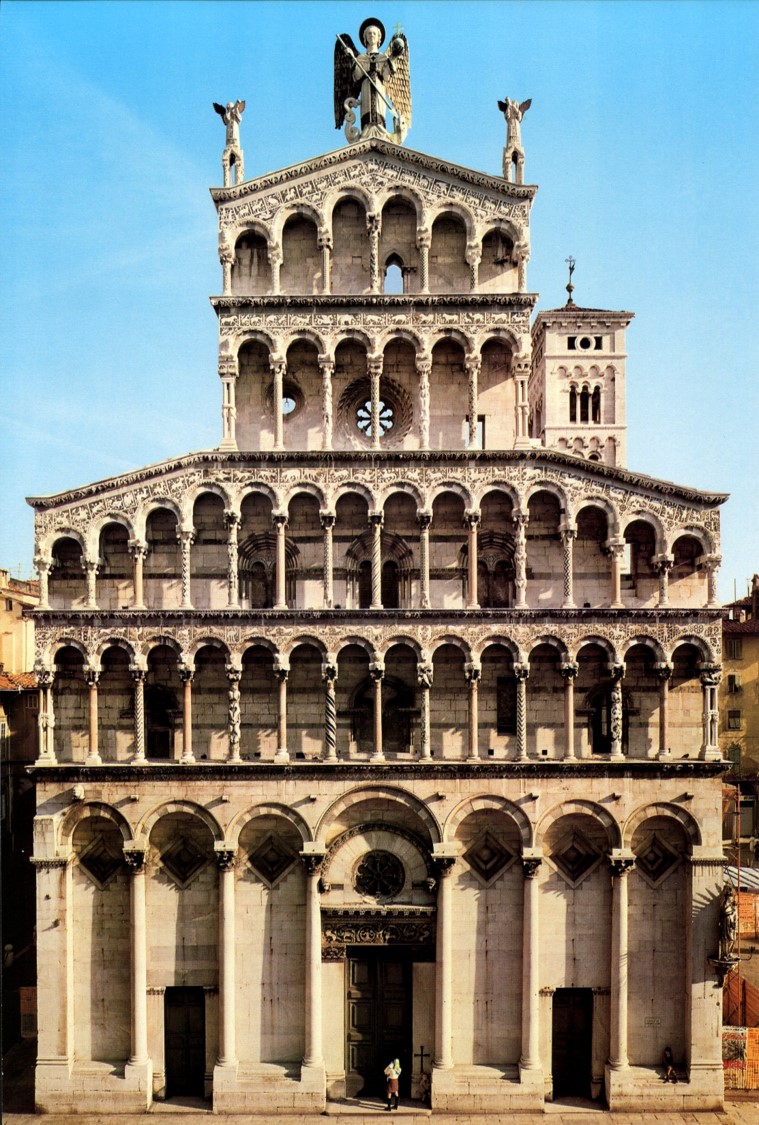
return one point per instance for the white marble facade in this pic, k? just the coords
(389, 726)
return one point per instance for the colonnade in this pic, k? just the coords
(472, 519)
(709, 678)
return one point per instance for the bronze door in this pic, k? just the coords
(378, 1020)
(185, 1032)
(572, 1042)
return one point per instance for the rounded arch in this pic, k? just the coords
(401, 639)
(487, 801)
(115, 642)
(404, 487)
(688, 531)
(260, 489)
(64, 532)
(446, 335)
(68, 642)
(596, 639)
(702, 646)
(208, 641)
(452, 486)
(355, 335)
(159, 640)
(510, 645)
(207, 487)
(308, 336)
(256, 642)
(155, 504)
(267, 808)
(455, 642)
(300, 210)
(661, 808)
(249, 226)
(552, 642)
(99, 526)
(587, 808)
(498, 486)
(649, 518)
(504, 335)
(257, 336)
(360, 642)
(458, 211)
(74, 816)
(407, 335)
(360, 490)
(407, 194)
(589, 501)
(305, 488)
(647, 642)
(547, 486)
(304, 639)
(179, 805)
(346, 191)
(501, 226)
(380, 792)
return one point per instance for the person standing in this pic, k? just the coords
(392, 1074)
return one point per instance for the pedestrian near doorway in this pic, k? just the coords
(392, 1074)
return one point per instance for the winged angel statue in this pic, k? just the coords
(372, 84)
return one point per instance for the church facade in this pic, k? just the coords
(388, 728)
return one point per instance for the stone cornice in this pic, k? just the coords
(501, 459)
(391, 618)
(396, 772)
(397, 153)
(570, 315)
(379, 300)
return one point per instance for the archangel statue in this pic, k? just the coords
(232, 156)
(513, 153)
(373, 83)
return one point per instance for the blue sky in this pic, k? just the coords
(643, 137)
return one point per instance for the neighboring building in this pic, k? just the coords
(18, 749)
(389, 727)
(739, 719)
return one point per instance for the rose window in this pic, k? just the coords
(364, 418)
(380, 874)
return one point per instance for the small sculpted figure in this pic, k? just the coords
(728, 924)
(232, 157)
(373, 82)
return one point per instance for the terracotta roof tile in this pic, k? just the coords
(17, 681)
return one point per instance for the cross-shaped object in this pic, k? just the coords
(422, 1055)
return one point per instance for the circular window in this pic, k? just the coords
(292, 398)
(586, 343)
(288, 404)
(379, 874)
(354, 412)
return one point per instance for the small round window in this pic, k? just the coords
(585, 343)
(379, 874)
(289, 404)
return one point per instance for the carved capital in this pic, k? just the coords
(531, 865)
(231, 518)
(472, 671)
(329, 671)
(424, 676)
(279, 519)
(225, 855)
(620, 865)
(424, 518)
(663, 670)
(616, 672)
(326, 518)
(92, 676)
(521, 672)
(135, 856)
(569, 669)
(376, 519)
(443, 865)
(472, 517)
(376, 670)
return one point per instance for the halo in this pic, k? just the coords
(371, 22)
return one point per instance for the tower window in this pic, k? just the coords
(595, 405)
(393, 276)
(572, 405)
(584, 405)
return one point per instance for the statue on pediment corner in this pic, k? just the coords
(232, 157)
(371, 84)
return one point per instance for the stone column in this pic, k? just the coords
(186, 538)
(568, 536)
(278, 368)
(275, 262)
(232, 520)
(444, 965)
(92, 675)
(314, 1054)
(373, 226)
(138, 676)
(616, 549)
(424, 370)
(424, 673)
(424, 241)
(521, 672)
(234, 675)
(227, 259)
(279, 520)
(45, 719)
(617, 672)
(664, 565)
(621, 863)
(324, 242)
(520, 520)
(472, 672)
(377, 671)
(329, 676)
(91, 568)
(664, 671)
(139, 552)
(424, 519)
(375, 364)
(327, 520)
(186, 674)
(472, 365)
(472, 517)
(135, 858)
(710, 678)
(327, 369)
(225, 857)
(569, 671)
(521, 367)
(281, 670)
(473, 255)
(530, 1058)
(522, 253)
(375, 521)
(712, 564)
(228, 412)
(42, 566)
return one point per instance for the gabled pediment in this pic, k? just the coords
(375, 170)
